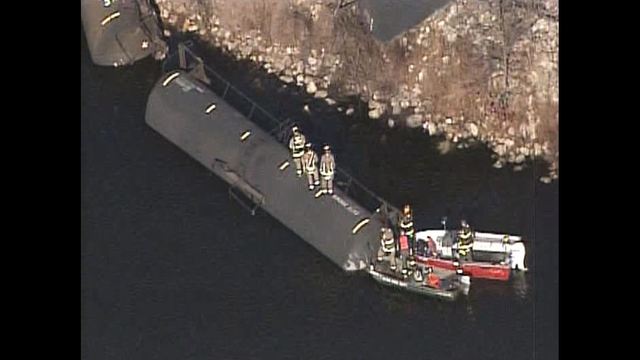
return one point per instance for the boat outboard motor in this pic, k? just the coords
(121, 32)
(517, 255)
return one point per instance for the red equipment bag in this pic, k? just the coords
(404, 242)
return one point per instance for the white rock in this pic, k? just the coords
(287, 79)
(306, 108)
(473, 129)
(375, 113)
(448, 121)
(545, 179)
(331, 102)
(518, 168)
(349, 111)
(404, 103)
(415, 120)
(433, 129)
(321, 94)
(311, 87)
(498, 164)
(391, 123)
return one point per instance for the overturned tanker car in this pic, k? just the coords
(121, 32)
(257, 167)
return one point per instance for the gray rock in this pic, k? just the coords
(375, 104)
(415, 120)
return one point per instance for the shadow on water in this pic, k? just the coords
(173, 269)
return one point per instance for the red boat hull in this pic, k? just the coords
(473, 269)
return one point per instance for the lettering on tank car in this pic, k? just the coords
(187, 85)
(345, 205)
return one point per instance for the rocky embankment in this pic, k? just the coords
(475, 70)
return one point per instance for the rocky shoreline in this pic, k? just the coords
(452, 75)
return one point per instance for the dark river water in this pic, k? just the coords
(174, 269)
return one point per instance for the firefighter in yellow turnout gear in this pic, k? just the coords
(296, 145)
(387, 249)
(310, 164)
(465, 240)
(327, 169)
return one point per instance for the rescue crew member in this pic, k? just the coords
(387, 244)
(310, 164)
(296, 145)
(327, 169)
(406, 226)
(465, 239)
